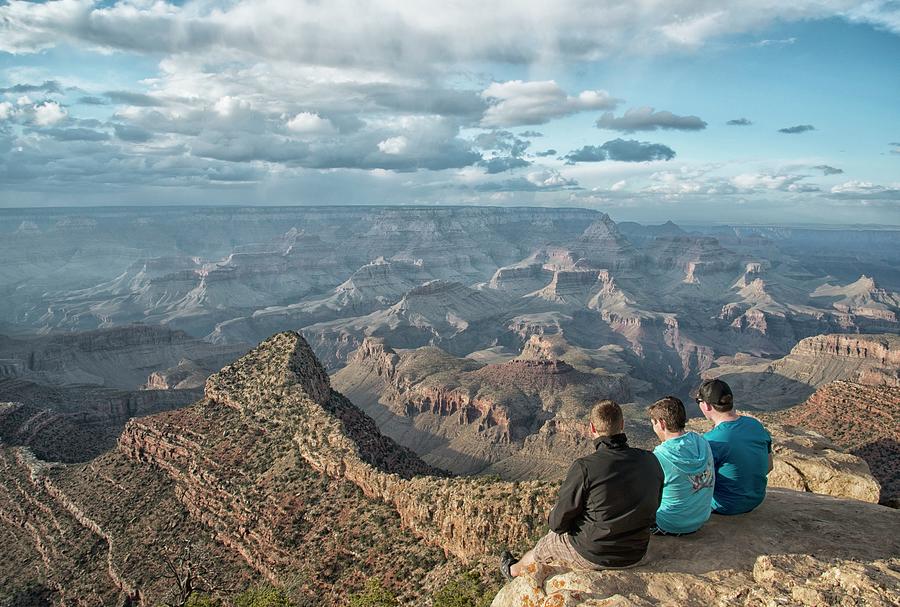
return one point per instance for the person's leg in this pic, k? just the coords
(518, 568)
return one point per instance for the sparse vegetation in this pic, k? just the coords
(465, 591)
(374, 595)
(263, 596)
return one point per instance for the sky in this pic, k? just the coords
(750, 111)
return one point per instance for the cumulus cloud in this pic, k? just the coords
(865, 190)
(131, 133)
(515, 102)
(545, 153)
(531, 134)
(739, 122)
(646, 119)
(308, 123)
(828, 170)
(500, 164)
(6, 110)
(394, 145)
(750, 182)
(624, 150)
(504, 141)
(48, 113)
(428, 32)
(796, 130)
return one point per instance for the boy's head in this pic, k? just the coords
(667, 415)
(606, 418)
(715, 394)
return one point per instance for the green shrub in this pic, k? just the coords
(374, 595)
(198, 599)
(263, 596)
(465, 591)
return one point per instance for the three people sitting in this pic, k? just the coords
(614, 499)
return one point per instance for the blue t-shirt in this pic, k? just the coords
(687, 462)
(741, 451)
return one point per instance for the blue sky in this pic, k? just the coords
(388, 102)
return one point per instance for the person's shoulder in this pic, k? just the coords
(753, 423)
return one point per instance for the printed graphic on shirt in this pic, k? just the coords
(702, 480)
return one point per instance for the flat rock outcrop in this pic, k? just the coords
(795, 549)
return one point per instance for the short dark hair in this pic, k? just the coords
(717, 394)
(670, 410)
(607, 417)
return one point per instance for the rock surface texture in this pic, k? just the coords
(795, 549)
(863, 420)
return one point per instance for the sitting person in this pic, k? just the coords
(742, 450)
(606, 504)
(687, 462)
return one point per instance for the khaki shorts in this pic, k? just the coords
(557, 549)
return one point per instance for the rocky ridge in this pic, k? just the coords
(274, 472)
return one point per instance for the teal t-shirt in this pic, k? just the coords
(687, 462)
(741, 452)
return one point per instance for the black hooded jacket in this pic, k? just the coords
(608, 502)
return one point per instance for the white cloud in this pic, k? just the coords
(6, 110)
(48, 113)
(619, 185)
(549, 178)
(308, 123)
(394, 145)
(517, 103)
(229, 106)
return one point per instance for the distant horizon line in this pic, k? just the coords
(689, 222)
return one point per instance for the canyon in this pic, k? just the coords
(273, 472)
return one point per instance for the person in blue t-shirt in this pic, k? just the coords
(687, 462)
(741, 447)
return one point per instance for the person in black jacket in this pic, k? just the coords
(606, 505)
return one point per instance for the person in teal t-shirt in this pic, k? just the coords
(687, 462)
(742, 450)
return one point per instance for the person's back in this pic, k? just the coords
(687, 461)
(620, 488)
(605, 507)
(742, 450)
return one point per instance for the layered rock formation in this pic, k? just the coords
(470, 417)
(120, 357)
(813, 362)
